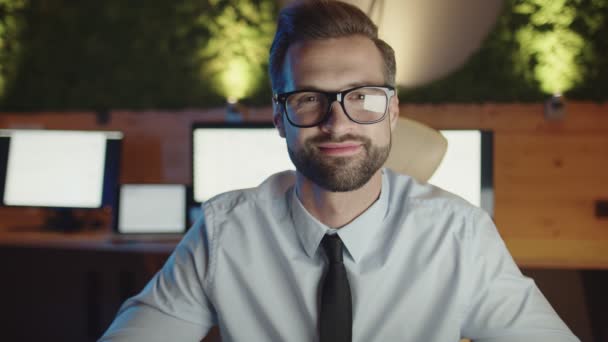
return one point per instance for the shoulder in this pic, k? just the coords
(270, 195)
(407, 191)
(427, 208)
(239, 213)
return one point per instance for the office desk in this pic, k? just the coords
(90, 241)
(68, 286)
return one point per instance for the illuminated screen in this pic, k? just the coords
(229, 158)
(152, 208)
(62, 169)
(466, 168)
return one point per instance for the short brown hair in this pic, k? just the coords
(323, 19)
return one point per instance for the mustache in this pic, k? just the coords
(333, 139)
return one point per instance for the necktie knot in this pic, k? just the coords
(332, 244)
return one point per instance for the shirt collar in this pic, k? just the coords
(355, 235)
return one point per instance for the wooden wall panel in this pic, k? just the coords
(582, 117)
(546, 187)
(562, 174)
(547, 173)
(547, 177)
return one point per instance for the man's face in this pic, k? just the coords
(338, 154)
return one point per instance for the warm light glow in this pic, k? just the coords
(549, 44)
(237, 80)
(236, 54)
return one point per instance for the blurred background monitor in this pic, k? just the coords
(229, 156)
(151, 209)
(467, 167)
(59, 169)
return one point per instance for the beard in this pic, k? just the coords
(339, 174)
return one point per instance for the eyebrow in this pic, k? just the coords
(347, 86)
(359, 84)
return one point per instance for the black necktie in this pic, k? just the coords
(336, 317)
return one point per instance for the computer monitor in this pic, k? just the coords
(151, 209)
(228, 157)
(467, 167)
(234, 156)
(59, 169)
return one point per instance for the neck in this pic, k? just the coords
(337, 209)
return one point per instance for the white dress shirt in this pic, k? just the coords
(423, 266)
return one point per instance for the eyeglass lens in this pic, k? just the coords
(363, 105)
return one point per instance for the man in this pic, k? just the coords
(343, 250)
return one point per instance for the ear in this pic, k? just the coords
(393, 111)
(277, 118)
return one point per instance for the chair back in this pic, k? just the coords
(417, 149)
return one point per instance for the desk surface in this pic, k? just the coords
(527, 253)
(89, 241)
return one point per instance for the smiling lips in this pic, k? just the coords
(340, 149)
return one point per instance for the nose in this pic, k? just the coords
(336, 122)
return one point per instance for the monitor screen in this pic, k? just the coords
(466, 168)
(59, 169)
(152, 209)
(228, 157)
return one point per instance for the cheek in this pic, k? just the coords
(293, 136)
(382, 136)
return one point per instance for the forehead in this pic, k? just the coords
(333, 64)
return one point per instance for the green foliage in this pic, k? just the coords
(549, 42)
(489, 75)
(80, 55)
(235, 55)
(537, 47)
(110, 54)
(10, 26)
(593, 25)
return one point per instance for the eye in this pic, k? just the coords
(304, 98)
(356, 96)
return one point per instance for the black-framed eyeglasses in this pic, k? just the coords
(363, 105)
